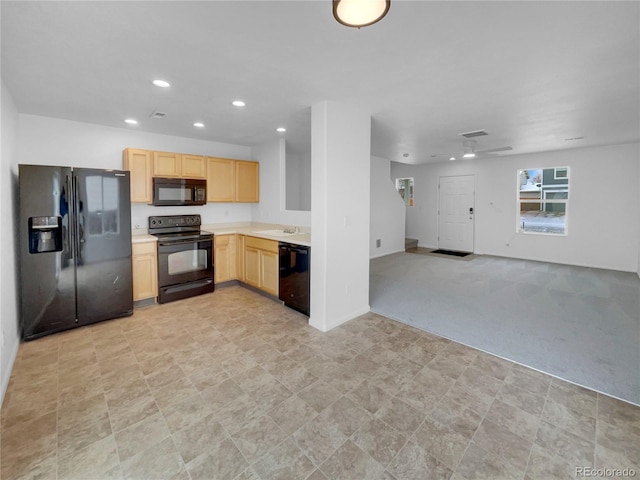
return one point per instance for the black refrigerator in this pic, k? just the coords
(75, 247)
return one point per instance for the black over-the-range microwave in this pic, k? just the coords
(179, 191)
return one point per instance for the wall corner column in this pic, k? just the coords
(340, 203)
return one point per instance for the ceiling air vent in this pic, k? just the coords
(475, 133)
(158, 114)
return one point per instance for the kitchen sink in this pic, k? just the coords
(276, 233)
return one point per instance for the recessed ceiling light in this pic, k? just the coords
(281, 129)
(161, 83)
(199, 124)
(469, 155)
(131, 121)
(452, 158)
(238, 103)
(405, 155)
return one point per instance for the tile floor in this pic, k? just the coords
(233, 385)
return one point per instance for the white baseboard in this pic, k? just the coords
(385, 254)
(7, 369)
(325, 327)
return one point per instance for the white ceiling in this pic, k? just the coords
(532, 74)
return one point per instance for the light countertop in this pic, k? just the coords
(140, 235)
(255, 231)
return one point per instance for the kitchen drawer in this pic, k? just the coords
(143, 248)
(262, 244)
(222, 240)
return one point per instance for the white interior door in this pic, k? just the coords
(456, 210)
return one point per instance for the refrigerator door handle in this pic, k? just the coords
(70, 216)
(76, 224)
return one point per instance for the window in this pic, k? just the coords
(405, 189)
(543, 198)
(560, 173)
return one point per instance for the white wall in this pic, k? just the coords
(10, 336)
(387, 211)
(50, 141)
(340, 166)
(602, 217)
(298, 181)
(292, 184)
(271, 209)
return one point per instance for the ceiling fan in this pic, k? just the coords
(469, 151)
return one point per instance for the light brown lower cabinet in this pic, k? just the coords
(261, 264)
(269, 281)
(252, 266)
(144, 266)
(240, 257)
(225, 258)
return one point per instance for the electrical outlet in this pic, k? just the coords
(378, 242)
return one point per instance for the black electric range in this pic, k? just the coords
(185, 256)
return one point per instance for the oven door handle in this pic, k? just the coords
(184, 242)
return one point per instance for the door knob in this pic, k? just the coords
(470, 210)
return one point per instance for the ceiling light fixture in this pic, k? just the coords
(281, 129)
(452, 158)
(469, 155)
(238, 103)
(360, 13)
(131, 121)
(199, 124)
(161, 83)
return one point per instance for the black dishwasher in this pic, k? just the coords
(294, 276)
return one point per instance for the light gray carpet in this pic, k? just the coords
(579, 324)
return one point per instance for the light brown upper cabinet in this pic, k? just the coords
(247, 181)
(166, 164)
(231, 180)
(221, 173)
(228, 180)
(193, 166)
(139, 163)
